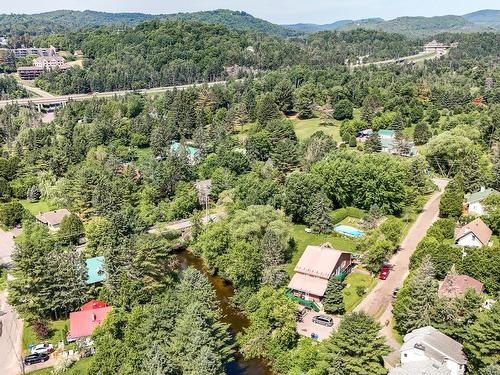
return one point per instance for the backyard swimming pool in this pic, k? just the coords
(348, 231)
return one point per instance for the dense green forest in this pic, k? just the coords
(236, 20)
(176, 52)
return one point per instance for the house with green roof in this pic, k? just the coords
(192, 152)
(475, 200)
(388, 142)
(95, 270)
(386, 134)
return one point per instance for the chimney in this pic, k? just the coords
(483, 188)
(93, 317)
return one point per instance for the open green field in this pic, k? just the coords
(303, 239)
(79, 368)
(35, 207)
(305, 128)
(55, 334)
(351, 298)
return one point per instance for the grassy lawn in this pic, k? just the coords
(35, 207)
(351, 221)
(305, 128)
(351, 298)
(55, 334)
(79, 368)
(303, 239)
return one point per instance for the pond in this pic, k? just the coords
(230, 315)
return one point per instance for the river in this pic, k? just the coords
(230, 315)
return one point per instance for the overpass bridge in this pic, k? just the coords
(57, 101)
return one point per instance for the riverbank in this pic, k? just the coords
(230, 315)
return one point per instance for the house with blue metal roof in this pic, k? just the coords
(95, 270)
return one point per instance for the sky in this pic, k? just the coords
(277, 11)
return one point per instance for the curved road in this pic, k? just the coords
(378, 303)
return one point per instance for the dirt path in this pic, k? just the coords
(378, 302)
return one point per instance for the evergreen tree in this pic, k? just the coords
(285, 156)
(352, 141)
(421, 134)
(398, 123)
(318, 217)
(267, 109)
(482, 341)
(373, 143)
(283, 92)
(162, 136)
(415, 305)
(303, 100)
(356, 347)
(333, 302)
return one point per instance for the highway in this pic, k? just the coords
(56, 100)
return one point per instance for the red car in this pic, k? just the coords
(384, 272)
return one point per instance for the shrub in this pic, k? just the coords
(63, 364)
(358, 213)
(40, 328)
(338, 215)
(360, 290)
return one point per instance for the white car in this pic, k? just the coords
(42, 349)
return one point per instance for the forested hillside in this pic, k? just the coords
(165, 53)
(487, 18)
(416, 27)
(64, 20)
(236, 20)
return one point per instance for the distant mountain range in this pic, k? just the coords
(66, 20)
(483, 20)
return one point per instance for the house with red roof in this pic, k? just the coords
(93, 304)
(455, 286)
(82, 323)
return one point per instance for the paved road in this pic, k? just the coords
(378, 302)
(418, 57)
(54, 100)
(37, 91)
(10, 337)
(6, 247)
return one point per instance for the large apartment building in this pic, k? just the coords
(42, 52)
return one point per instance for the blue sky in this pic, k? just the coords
(278, 11)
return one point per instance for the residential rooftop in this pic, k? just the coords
(437, 345)
(478, 228)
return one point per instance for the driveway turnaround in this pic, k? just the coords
(378, 302)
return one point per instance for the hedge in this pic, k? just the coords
(340, 214)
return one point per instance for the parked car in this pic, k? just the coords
(323, 320)
(384, 272)
(42, 349)
(35, 358)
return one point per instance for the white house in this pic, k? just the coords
(427, 345)
(475, 201)
(474, 234)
